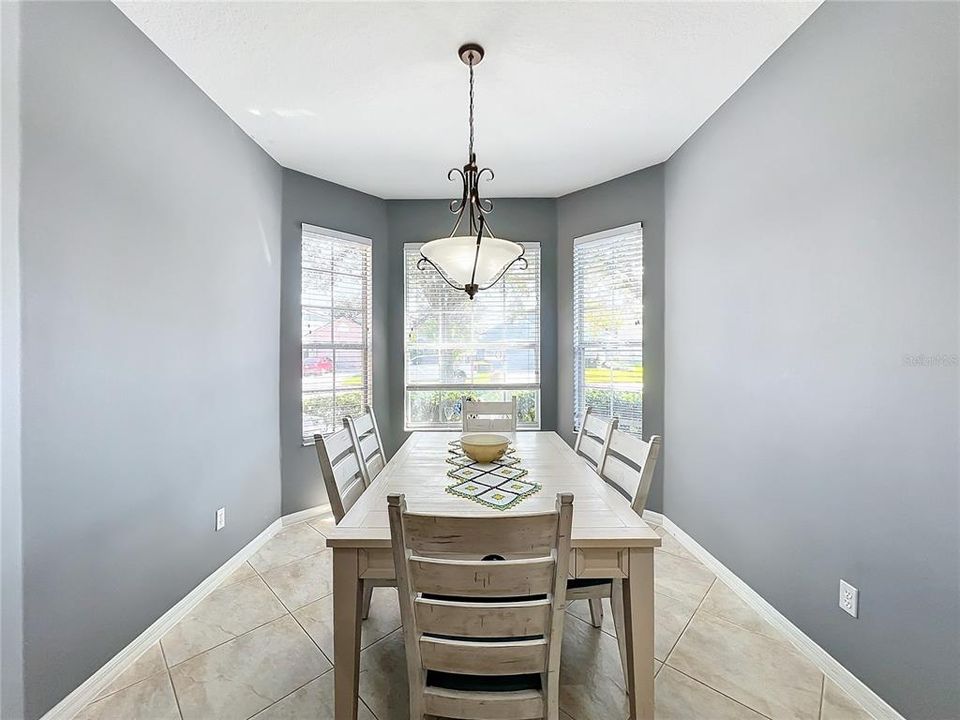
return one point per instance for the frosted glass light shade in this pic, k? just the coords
(455, 255)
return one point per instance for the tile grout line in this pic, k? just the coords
(372, 713)
(235, 637)
(702, 682)
(297, 620)
(713, 689)
(101, 698)
(286, 564)
(176, 698)
(823, 690)
(359, 672)
(689, 620)
(716, 579)
(622, 676)
(281, 699)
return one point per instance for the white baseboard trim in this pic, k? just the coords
(846, 680)
(308, 514)
(73, 703)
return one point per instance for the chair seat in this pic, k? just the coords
(483, 683)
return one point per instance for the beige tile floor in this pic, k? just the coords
(260, 646)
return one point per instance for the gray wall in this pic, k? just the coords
(307, 199)
(812, 256)
(150, 261)
(11, 556)
(628, 199)
(520, 219)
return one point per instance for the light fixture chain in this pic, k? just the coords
(471, 107)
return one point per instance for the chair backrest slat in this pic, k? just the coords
(483, 620)
(337, 443)
(593, 438)
(629, 465)
(481, 416)
(516, 657)
(369, 447)
(505, 535)
(367, 443)
(470, 616)
(340, 470)
(476, 578)
(591, 448)
(595, 425)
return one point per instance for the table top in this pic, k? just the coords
(602, 517)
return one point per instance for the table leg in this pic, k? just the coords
(638, 629)
(347, 597)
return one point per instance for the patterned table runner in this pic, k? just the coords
(497, 484)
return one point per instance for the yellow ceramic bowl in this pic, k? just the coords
(484, 447)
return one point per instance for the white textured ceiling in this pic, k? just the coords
(372, 95)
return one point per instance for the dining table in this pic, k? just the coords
(609, 540)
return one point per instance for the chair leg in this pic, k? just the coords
(596, 612)
(616, 605)
(367, 597)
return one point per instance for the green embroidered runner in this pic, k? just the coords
(497, 484)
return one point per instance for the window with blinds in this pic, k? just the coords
(335, 304)
(608, 326)
(486, 349)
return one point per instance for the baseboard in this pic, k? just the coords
(846, 680)
(73, 703)
(307, 514)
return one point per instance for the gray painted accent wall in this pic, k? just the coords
(632, 198)
(812, 259)
(519, 219)
(11, 555)
(150, 261)
(307, 199)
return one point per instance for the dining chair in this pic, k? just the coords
(345, 482)
(592, 442)
(593, 438)
(480, 416)
(365, 434)
(628, 465)
(482, 637)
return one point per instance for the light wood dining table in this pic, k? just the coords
(609, 541)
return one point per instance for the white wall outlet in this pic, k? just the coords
(849, 598)
(221, 518)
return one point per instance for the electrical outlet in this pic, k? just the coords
(849, 598)
(221, 518)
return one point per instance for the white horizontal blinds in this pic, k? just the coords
(335, 328)
(487, 348)
(608, 326)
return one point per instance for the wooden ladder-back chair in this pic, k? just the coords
(593, 437)
(367, 444)
(592, 441)
(482, 416)
(628, 464)
(482, 636)
(345, 482)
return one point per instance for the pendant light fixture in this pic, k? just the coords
(475, 259)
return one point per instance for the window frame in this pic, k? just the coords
(473, 388)
(579, 383)
(366, 309)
